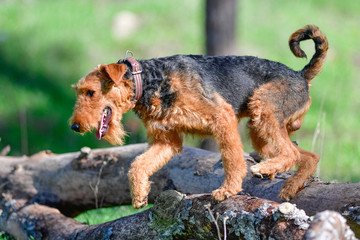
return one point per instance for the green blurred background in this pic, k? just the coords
(45, 46)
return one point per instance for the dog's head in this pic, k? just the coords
(102, 97)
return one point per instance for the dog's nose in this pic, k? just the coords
(76, 127)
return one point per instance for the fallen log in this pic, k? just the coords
(75, 182)
(176, 216)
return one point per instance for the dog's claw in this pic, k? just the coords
(140, 204)
(255, 172)
(227, 195)
(284, 197)
(288, 192)
(220, 195)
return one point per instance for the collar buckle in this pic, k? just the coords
(136, 72)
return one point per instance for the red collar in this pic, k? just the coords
(136, 72)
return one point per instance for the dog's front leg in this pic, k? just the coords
(226, 133)
(162, 149)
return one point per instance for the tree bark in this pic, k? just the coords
(220, 27)
(74, 182)
(177, 216)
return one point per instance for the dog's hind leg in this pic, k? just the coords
(162, 149)
(306, 167)
(282, 153)
(269, 131)
(306, 164)
(263, 147)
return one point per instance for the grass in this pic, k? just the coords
(101, 215)
(4, 236)
(47, 46)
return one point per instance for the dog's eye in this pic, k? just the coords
(89, 93)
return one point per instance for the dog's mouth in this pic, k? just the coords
(104, 123)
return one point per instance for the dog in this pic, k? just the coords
(206, 95)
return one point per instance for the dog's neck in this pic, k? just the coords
(136, 70)
(155, 84)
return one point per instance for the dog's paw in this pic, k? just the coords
(220, 195)
(285, 197)
(137, 203)
(255, 172)
(290, 189)
(286, 193)
(260, 174)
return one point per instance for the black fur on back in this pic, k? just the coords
(233, 77)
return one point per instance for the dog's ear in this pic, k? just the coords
(112, 72)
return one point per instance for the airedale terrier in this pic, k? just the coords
(206, 95)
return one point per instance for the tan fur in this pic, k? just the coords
(118, 95)
(271, 139)
(162, 149)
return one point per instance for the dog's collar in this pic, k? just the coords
(136, 72)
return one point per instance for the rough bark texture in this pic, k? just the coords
(177, 216)
(220, 27)
(75, 182)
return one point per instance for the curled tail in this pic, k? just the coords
(313, 68)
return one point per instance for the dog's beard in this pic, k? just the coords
(115, 134)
